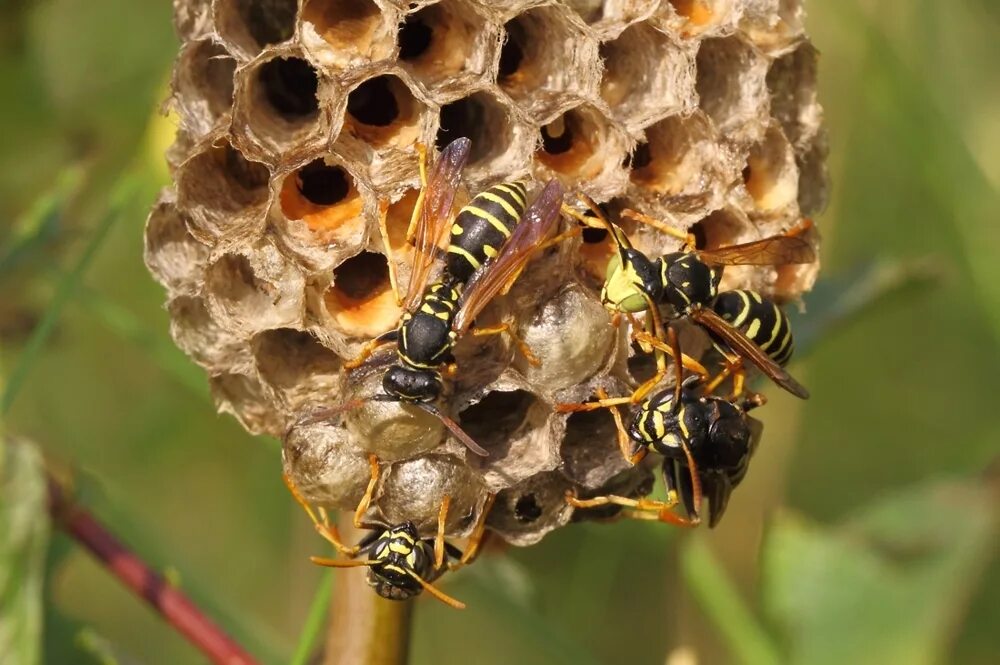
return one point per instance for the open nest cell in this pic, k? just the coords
(345, 33)
(204, 85)
(326, 198)
(382, 112)
(360, 300)
(249, 26)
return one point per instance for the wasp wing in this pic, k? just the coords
(536, 222)
(745, 348)
(784, 249)
(434, 214)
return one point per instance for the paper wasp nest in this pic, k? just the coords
(298, 118)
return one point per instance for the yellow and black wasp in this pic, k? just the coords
(743, 324)
(400, 563)
(706, 443)
(492, 239)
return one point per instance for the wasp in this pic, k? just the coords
(401, 564)
(706, 443)
(743, 324)
(436, 316)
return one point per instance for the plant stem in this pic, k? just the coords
(175, 607)
(365, 629)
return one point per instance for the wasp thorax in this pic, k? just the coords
(687, 281)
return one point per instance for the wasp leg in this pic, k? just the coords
(624, 440)
(733, 367)
(666, 516)
(644, 505)
(577, 407)
(383, 229)
(521, 344)
(439, 543)
(321, 521)
(689, 363)
(418, 208)
(370, 347)
(555, 240)
(477, 536)
(688, 238)
(366, 500)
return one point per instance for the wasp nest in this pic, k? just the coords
(298, 118)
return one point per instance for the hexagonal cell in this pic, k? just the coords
(248, 26)
(773, 25)
(198, 335)
(296, 366)
(590, 11)
(360, 301)
(680, 161)
(255, 291)
(225, 194)
(791, 82)
(546, 61)
(325, 196)
(771, 175)
(609, 18)
(523, 514)
(279, 105)
(731, 86)
(346, 33)
(646, 75)
(172, 254)
(512, 424)
(583, 146)
(696, 17)
(193, 20)
(247, 400)
(497, 138)
(447, 45)
(326, 469)
(413, 491)
(589, 448)
(383, 112)
(572, 336)
(203, 84)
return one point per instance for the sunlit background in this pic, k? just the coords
(864, 531)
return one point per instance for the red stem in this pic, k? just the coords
(165, 599)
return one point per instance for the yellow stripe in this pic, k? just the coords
(399, 548)
(454, 249)
(490, 196)
(456, 230)
(513, 191)
(683, 425)
(742, 316)
(753, 329)
(490, 251)
(777, 326)
(494, 222)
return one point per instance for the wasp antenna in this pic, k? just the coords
(437, 593)
(341, 563)
(454, 428)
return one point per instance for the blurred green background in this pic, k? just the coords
(864, 532)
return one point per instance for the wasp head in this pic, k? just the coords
(631, 281)
(412, 385)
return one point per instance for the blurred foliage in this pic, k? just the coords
(24, 532)
(902, 388)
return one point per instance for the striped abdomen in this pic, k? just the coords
(482, 227)
(760, 320)
(425, 336)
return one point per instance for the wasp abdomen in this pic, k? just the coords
(482, 227)
(760, 319)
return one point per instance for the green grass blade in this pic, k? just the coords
(64, 291)
(39, 224)
(315, 621)
(721, 602)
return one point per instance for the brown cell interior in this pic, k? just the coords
(577, 449)
(480, 118)
(668, 162)
(349, 25)
(223, 180)
(325, 197)
(208, 76)
(436, 41)
(770, 175)
(591, 11)
(361, 299)
(629, 75)
(233, 282)
(397, 219)
(721, 65)
(254, 25)
(534, 43)
(382, 111)
(791, 82)
(493, 421)
(697, 12)
(719, 229)
(172, 252)
(288, 86)
(571, 144)
(294, 361)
